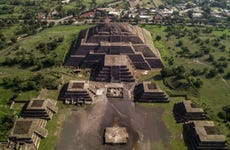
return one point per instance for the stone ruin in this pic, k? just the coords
(203, 135)
(149, 92)
(27, 133)
(186, 110)
(115, 92)
(40, 108)
(78, 92)
(116, 69)
(131, 44)
(116, 135)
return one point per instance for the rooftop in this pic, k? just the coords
(22, 127)
(25, 128)
(116, 135)
(38, 104)
(150, 87)
(207, 132)
(115, 38)
(191, 107)
(115, 60)
(75, 85)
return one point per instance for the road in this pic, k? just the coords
(57, 21)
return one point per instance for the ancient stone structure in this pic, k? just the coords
(115, 92)
(40, 108)
(148, 92)
(186, 110)
(78, 92)
(131, 45)
(27, 133)
(202, 135)
(116, 135)
(116, 69)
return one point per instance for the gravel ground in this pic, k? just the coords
(84, 129)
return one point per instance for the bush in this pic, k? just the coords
(227, 76)
(158, 38)
(225, 114)
(212, 73)
(210, 58)
(180, 43)
(222, 115)
(35, 82)
(6, 123)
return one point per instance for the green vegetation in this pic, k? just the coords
(204, 54)
(54, 127)
(6, 123)
(23, 82)
(196, 62)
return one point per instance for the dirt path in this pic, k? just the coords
(42, 94)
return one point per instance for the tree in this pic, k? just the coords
(13, 39)
(220, 69)
(210, 57)
(227, 76)
(171, 61)
(225, 114)
(198, 83)
(158, 38)
(212, 73)
(180, 43)
(166, 72)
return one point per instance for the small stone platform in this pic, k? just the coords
(116, 135)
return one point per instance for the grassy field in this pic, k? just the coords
(29, 43)
(214, 94)
(214, 90)
(146, 3)
(87, 4)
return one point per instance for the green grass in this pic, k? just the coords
(214, 94)
(9, 32)
(69, 32)
(25, 96)
(87, 4)
(213, 90)
(54, 127)
(147, 3)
